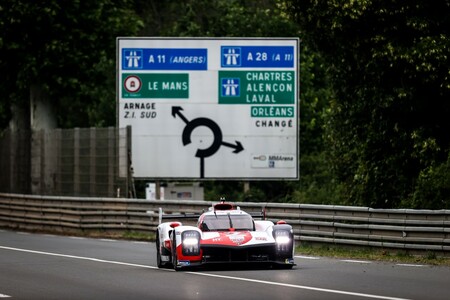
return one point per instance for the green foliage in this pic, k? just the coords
(317, 185)
(232, 191)
(67, 48)
(223, 18)
(388, 63)
(433, 187)
(238, 18)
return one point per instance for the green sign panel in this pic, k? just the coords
(159, 85)
(272, 111)
(257, 87)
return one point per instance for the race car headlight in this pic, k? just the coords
(191, 242)
(188, 242)
(283, 240)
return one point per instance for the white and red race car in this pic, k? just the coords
(224, 234)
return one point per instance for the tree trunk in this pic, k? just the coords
(42, 115)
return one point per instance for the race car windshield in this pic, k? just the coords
(225, 222)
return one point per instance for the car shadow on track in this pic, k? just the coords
(238, 267)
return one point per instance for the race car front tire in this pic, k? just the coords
(174, 254)
(158, 252)
(159, 261)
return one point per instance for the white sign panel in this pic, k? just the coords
(210, 108)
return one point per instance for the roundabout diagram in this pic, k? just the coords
(216, 143)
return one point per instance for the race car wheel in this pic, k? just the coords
(174, 254)
(158, 252)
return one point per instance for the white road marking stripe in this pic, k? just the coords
(299, 286)
(356, 261)
(4, 296)
(409, 265)
(108, 240)
(78, 257)
(209, 275)
(306, 257)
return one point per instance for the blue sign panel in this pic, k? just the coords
(164, 59)
(257, 57)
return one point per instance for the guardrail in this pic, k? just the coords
(422, 230)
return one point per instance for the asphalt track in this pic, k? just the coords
(38, 266)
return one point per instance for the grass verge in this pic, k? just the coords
(373, 254)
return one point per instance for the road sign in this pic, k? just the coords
(155, 85)
(210, 108)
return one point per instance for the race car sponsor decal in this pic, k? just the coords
(228, 238)
(238, 238)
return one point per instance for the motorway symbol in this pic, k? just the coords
(231, 87)
(133, 59)
(231, 56)
(215, 145)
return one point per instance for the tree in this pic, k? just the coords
(268, 18)
(67, 50)
(388, 61)
(223, 18)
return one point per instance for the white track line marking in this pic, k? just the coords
(307, 257)
(77, 238)
(4, 296)
(78, 257)
(409, 265)
(209, 275)
(300, 287)
(356, 261)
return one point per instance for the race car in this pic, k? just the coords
(224, 234)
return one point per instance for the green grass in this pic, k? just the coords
(373, 254)
(139, 236)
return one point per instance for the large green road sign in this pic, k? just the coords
(257, 87)
(210, 108)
